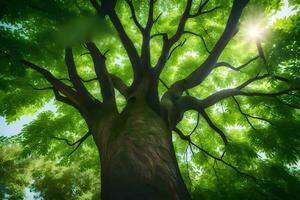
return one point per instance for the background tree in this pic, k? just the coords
(128, 74)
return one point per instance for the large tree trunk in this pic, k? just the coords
(137, 157)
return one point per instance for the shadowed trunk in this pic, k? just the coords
(137, 156)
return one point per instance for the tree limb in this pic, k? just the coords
(133, 15)
(201, 37)
(45, 88)
(225, 64)
(74, 77)
(213, 126)
(188, 139)
(177, 46)
(287, 104)
(108, 8)
(197, 76)
(106, 85)
(145, 54)
(196, 126)
(247, 115)
(218, 96)
(58, 86)
(168, 43)
(117, 83)
(79, 142)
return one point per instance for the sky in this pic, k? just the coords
(16, 127)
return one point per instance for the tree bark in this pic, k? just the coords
(137, 156)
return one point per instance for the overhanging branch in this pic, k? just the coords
(108, 8)
(213, 126)
(73, 74)
(133, 15)
(107, 89)
(188, 139)
(225, 64)
(198, 76)
(247, 116)
(78, 142)
(201, 37)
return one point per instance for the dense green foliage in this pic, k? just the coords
(267, 149)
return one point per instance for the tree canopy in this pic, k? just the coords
(245, 144)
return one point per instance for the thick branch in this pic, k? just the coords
(108, 8)
(58, 86)
(120, 85)
(104, 79)
(74, 77)
(128, 45)
(63, 99)
(117, 83)
(197, 76)
(220, 95)
(145, 54)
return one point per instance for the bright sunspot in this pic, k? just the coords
(254, 32)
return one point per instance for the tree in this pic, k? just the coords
(131, 111)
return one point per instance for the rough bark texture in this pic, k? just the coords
(137, 156)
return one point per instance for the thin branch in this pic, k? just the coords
(244, 114)
(157, 18)
(79, 142)
(210, 10)
(251, 116)
(214, 127)
(184, 137)
(89, 80)
(177, 46)
(64, 139)
(45, 88)
(168, 43)
(226, 163)
(164, 84)
(201, 7)
(158, 34)
(201, 37)
(133, 15)
(220, 95)
(187, 163)
(225, 64)
(287, 104)
(196, 126)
